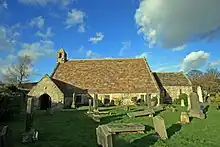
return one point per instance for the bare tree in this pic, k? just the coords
(20, 71)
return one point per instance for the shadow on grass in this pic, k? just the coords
(145, 141)
(205, 110)
(158, 112)
(173, 129)
(148, 128)
(111, 118)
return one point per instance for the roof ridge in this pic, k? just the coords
(168, 72)
(104, 59)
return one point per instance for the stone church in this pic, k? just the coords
(115, 81)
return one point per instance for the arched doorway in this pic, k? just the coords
(45, 102)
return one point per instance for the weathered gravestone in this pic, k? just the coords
(104, 137)
(195, 110)
(199, 92)
(189, 103)
(96, 115)
(30, 133)
(159, 127)
(90, 106)
(141, 113)
(125, 128)
(184, 118)
(182, 103)
(6, 137)
(73, 106)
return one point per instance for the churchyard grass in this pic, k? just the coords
(74, 128)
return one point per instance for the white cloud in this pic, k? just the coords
(194, 60)
(92, 55)
(180, 48)
(4, 4)
(99, 37)
(37, 22)
(143, 55)
(76, 17)
(37, 49)
(168, 68)
(214, 63)
(45, 35)
(125, 45)
(81, 49)
(46, 2)
(173, 23)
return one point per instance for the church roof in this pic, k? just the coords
(172, 79)
(106, 76)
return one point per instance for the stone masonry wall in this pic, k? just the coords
(174, 91)
(47, 86)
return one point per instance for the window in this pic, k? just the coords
(78, 98)
(107, 99)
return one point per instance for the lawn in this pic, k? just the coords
(75, 129)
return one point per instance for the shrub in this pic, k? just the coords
(11, 100)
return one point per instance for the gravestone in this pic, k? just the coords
(184, 118)
(125, 128)
(73, 102)
(158, 101)
(199, 92)
(6, 137)
(104, 137)
(159, 127)
(141, 113)
(182, 103)
(195, 110)
(90, 106)
(189, 103)
(148, 98)
(30, 134)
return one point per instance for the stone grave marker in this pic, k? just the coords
(73, 106)
(90, 106)
(6, 137)
(199, 92)
(159, 127)
(104, 137)
(184, 118)
(189, 103)
(182, 103)
(125, 128)
(195, 110)
(30, 133)
(141, 113)
(148, 98)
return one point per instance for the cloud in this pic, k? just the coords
(194, 60)
(46, 2)
(45, 35)
(37, 22)
(38, 49)
(125, 45)
(76, 17)
(90, 54)
(99, 37)
(214, 63)
(81, 49)
(168, 68)
(180, 48)
(5, 63)
(173, 23)
(4, 4)
(143, 55)
(8, 38)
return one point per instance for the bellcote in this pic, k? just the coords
(61, 56)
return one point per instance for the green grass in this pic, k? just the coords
(75, 129)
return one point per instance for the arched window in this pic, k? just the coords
(60, 55)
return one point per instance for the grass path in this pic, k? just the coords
(75, 129)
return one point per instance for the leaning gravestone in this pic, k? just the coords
(159, 127)
(199, 92)
(195, 110)
(104, 137)
(6, 137)
(184, 118)
(30, 133)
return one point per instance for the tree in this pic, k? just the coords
(20, 71)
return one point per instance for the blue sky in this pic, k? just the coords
(173, 35)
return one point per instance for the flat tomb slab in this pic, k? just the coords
(141, 113)
(121, 128)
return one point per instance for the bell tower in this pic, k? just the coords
(61, 56)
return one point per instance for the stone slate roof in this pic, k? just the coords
(172, 79)
(27, 86)
(105, 76)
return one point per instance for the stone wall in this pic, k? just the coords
(47, 86)
(174, 91)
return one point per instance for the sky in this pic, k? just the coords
(173, 35)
